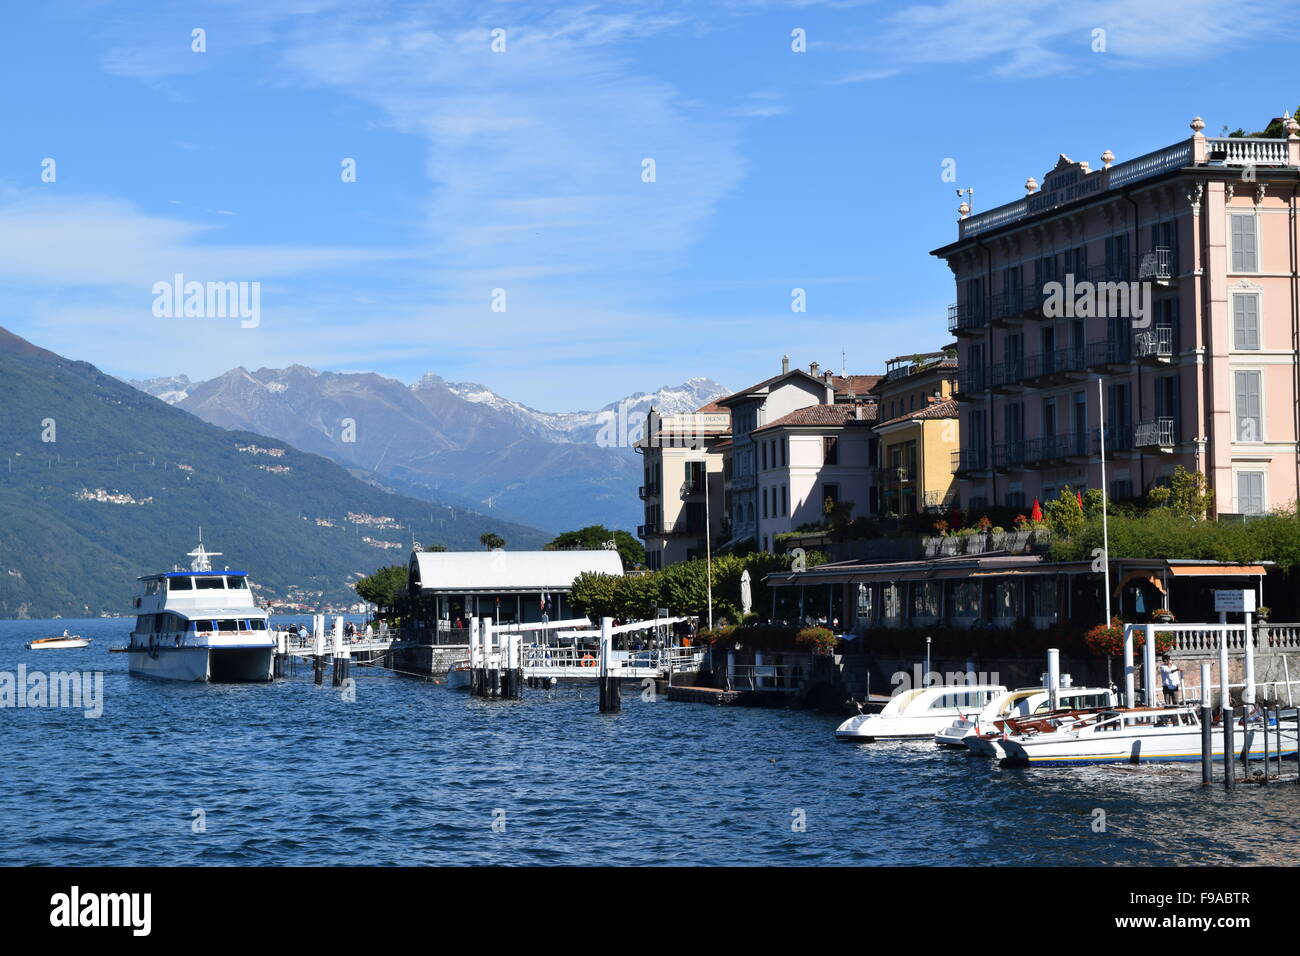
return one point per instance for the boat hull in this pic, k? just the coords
(57, 645)
(458, 678)
(869, 727)
(219, 665)
(1178, 747)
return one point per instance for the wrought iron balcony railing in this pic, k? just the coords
(1155, 433)
(1155, 343)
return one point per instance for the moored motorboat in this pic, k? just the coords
(57, 643)
(921, 712)
(1022, 702)
(458, 675)
(200, 625)
(1123, 735)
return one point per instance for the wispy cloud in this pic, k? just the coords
(1035, 38)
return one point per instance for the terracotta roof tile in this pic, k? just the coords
(944, 409)
(837, 414)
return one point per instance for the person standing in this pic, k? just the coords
(1171, 680)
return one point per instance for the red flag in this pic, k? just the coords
(1037, 514)
(1080, 494)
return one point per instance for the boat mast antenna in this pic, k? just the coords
(202, 556)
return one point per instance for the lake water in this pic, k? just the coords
(413, 773)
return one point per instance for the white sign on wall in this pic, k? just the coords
(1238, 601)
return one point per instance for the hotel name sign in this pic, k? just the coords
(1066, 183)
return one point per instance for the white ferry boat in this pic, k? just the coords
(200, 625)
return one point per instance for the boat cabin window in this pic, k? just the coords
(180, 584)
(227, 625)
(210, 583)
(257, 624)
(235, 582)
(151, 587)
(964, 699)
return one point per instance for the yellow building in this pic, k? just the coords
(918, 433)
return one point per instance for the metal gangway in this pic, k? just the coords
(335, 643)
(577, 649)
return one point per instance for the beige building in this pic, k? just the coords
(917, 433)
(683, 462)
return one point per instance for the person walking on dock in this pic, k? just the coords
(1171, 679)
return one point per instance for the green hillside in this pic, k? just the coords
(298, 532)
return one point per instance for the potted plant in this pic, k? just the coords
(1163, 616)
(820, 640)
(1262, 613)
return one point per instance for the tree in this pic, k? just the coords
(1187, 494)
(595, 537)
(384, 588)
(1064, 516)
(491, 541)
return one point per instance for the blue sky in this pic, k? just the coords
(521, 170)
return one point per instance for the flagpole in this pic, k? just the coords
(708, 542)
(1105, 536)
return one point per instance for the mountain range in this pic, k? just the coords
(103, 483)
(453, 442)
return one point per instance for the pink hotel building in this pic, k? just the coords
(1206, 377)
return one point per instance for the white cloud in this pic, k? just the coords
(95, 241)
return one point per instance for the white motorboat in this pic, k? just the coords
(56, 643)
(921, 712)
(200, 625)
(1123, 735)
(458, 673)
(1023, 702)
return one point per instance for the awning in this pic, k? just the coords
(1217, 570)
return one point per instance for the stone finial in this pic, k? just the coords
(1290, 125)
(1106, 159)
(1083, 167)
(1031, 185)
(963, 210)
(1197, 125)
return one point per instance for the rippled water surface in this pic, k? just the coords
(413, 773)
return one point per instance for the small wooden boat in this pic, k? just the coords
(55, 643)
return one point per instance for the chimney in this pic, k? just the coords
(812, 369)
(829, 377)
(785, 364)
(857, 412)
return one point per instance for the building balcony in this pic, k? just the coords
(1007, 376)
(1159, 265)
(1009, 456)
(1118, 438)
(1155, 346)
(1116, 270)
(647, 491)
(968, 319)
(1048, 368)
(1056, 449)
(970, 384)
(970, 461)
(671, 529)
(1108, 355)
(1009, 307)
(1159, 434)
(691, 488)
